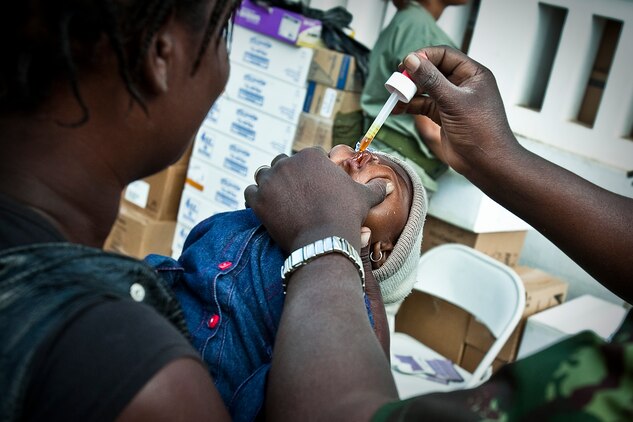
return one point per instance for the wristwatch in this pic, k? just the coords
(310, 252)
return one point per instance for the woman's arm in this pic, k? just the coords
(588, 223)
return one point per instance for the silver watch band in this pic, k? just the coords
(332, 244)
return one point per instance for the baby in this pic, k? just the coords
(229, 285)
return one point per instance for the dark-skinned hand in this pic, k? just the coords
(462, 97)
(306, 197)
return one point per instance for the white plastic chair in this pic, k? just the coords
(489, 290)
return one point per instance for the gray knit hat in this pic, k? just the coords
(398, 274)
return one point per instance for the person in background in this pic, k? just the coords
(228, 280)
(328, 365)
(413, 138)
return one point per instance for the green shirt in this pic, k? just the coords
(410, 29)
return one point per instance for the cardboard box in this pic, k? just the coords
(138, 235)
(253, 126)
(312, 131)
(502, 246)
(459, 202)
(223, 190)
(193, 207)
(584, 313)
(542, 291)
(234, 156)
(472, 356)
(157, 196)
(265, 93)
(276, 58)
(326, 102)
(460, 336)
(284, 25)
(436, 323)
(334, 69)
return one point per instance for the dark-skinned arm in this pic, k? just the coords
(327, 362)
(588, 223)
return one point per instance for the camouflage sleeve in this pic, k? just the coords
(581, 378)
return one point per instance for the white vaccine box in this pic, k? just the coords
(223, 190)
(559, 322)
(284, 61)
(459, 202)
(253, 126)
(231, 155)
(265, 93)
(195, 207)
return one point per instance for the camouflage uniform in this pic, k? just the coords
(582, 378)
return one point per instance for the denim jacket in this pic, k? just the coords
(42, 286)
(228, 281)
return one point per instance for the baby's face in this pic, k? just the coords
(387, 219)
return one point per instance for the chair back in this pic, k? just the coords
(488, 289)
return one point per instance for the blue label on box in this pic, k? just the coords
(256, 60)
(309, 96)
(191, 211)
(251, 97)
(243, 131)
(205, 146)
(235, 166)
(342, 75)
(227, 194)
(223, 198)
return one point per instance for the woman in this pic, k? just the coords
(94, 95)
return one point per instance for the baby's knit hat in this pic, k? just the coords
(398, 274)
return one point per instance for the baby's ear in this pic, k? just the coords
(379, 253)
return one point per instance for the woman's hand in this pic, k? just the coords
(306, 197)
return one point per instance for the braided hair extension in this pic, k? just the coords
(47, 41)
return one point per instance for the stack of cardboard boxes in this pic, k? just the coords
(253, 121)
(278, 71)
(450, 330)
(333, 87)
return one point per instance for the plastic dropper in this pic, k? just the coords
(402, 89)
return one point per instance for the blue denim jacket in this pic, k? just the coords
(229, 285)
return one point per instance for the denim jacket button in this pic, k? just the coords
(137, 292)
(213, 321)
(225, 265)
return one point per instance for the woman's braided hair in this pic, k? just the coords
(46, 41)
